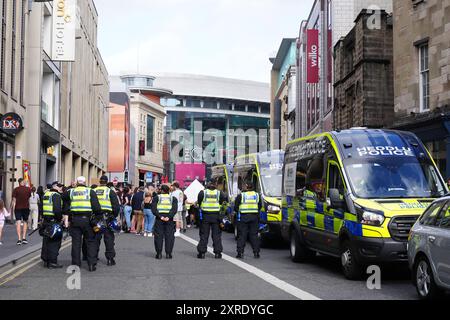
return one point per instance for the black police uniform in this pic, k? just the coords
(247, 226)
(108, 235)
(80, 227)
(210, 221)
(164, 231)
(50, 247)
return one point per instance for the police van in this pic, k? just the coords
(221, 175)
(355, 194)
(264, 171)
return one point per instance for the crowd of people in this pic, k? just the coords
(92, 213)
(135, 208)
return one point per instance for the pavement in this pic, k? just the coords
(10, 251)
(138, 275)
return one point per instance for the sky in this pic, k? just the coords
(225, 38)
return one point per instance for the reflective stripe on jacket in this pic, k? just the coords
(249, 202)
(164, 203)
(103, 198)
(80, 199)
(48, 204)
(211, 201)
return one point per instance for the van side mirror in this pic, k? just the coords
(335, 198)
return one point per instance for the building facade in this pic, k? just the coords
(121, 166)
(422, 74)
(328, 21)
(212, 120)
(57, 102)
(363, 75)
(283, 94)
(147, 118)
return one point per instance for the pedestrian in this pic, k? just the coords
(184, 214)
(210, 201)
(3, 215)
(148, 214)
(179, 195)
(110, 209)
(20, 205)
(247, 206)
(34, 209)
(164, 207)
(138, 214)
(81, 204)
(52, 218)
(127, 209)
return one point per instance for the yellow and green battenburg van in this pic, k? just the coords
(264, 171)
(355, 194)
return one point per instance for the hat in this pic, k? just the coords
(81, 180)
(103, 179)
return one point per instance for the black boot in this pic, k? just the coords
(111, 262)
(158, 256)
(240, 256)
(54, 265)
(168, 256)
(201, 256)
(92, 267)
(256, 255)
(218, 256)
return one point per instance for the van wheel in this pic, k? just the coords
(351, 268)
(424, 280)
(299, 253)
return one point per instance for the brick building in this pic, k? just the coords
(363, 74)
(422, 74)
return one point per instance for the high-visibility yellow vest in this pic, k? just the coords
(310, 199)
(47, 203)
(211, 201)
(103, 198)
(80, 200)
(249, 202)
(164, 203)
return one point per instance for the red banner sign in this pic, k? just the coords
(312, 53)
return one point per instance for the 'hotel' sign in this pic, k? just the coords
(64, 24)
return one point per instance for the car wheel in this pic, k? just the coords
(298, 252)
(350, 267)
(424, 280)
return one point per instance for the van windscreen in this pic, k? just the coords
(382, 164)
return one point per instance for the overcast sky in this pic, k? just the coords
(228, 38)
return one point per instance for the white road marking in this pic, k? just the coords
(280, 284)
(25, 266)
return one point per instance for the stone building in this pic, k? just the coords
(363, 75)
(422, 74)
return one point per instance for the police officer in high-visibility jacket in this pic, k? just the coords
(81, 203)
(111, 208)
(247, 206)
(52, 214)
(164, 207)
(210, 202)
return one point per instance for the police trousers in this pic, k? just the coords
(210, 222)
(80, 229)
(50, 248)
(108, 239)
(247, 228)
(164, 232)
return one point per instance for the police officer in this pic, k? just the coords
(52, 214)
(110, 208)
(81, 203)
(247, 206)
(210, 201)
(164, 207)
